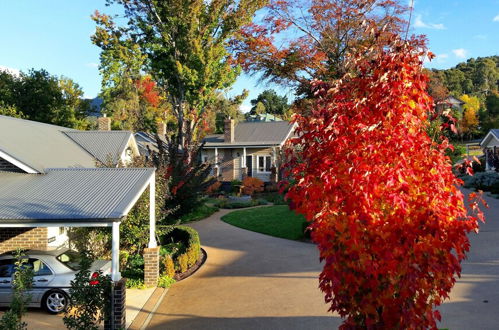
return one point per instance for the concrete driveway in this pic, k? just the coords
(249, 281)
(474, 300)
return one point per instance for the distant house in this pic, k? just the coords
(265, 117)
(450, 102)
(247, 149)
(49, 162)
(490, 146)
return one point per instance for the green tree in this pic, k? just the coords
(40, 96)
(10, 110)
(272, 103)
(222, 108)
(185, 43)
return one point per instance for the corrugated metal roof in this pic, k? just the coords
(70, 194)
(254, 134)
(40, 145)
(105, 146)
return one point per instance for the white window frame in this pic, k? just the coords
(264, 163)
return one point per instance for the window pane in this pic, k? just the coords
(6, 267)
(261, 165)
(40, 268)
(267, 163)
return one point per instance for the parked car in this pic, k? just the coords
(53, 272)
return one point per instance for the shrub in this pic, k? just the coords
(252, 185)
(274, 198)
(190, 239)
(165, 281)
(225, 204)
(487, 181)
(200, 212)
(271, 187)
(235, 186)
(168, 266)
(89, 297)
(214, 188)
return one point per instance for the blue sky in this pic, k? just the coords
(55, 35)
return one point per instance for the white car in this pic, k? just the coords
(53, 272)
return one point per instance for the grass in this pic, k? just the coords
(200, 212)
(278, 221)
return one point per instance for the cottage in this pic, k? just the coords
(247, 149)
(490, 147)
(43, 150)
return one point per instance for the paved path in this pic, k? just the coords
(474, 300)
(249, 281)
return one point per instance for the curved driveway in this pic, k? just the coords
(249, 281)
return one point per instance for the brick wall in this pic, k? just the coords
(151, 266)
(13, 238)
(118, 312)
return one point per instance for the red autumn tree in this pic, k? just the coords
(385, 209)
(300, 40)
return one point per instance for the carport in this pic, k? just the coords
(77, 197)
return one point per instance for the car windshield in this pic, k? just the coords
(71, 259)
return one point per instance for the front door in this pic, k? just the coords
(249, 165)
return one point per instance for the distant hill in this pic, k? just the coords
(95, 107)
(475, 76)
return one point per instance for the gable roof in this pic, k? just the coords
(493, 133)
(105, 146)
(254, 134)
(38, 146)
(71, 194)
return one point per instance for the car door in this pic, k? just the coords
(42, 278)
(6, 271)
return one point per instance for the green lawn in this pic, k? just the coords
(278, 221)
(200, 212)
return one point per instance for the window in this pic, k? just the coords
(264, 163)
(6, 267)
(39, 267)
(71, 259)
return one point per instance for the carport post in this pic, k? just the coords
(152, 212)
(115, 253)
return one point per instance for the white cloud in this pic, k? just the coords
(496, 18)
(418, 23)
(92, 65)
(480, 36)
(460, 52)
(14, 72)
(441, 57)
(245, 108)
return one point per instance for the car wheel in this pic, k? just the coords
(55, 301)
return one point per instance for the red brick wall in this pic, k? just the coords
(13, 238)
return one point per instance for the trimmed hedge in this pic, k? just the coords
(188, 256)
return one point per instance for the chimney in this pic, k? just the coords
(161, 129)
(104, 123)
(229, 130)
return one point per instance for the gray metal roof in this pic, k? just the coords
(70, 194)
(254, 134)
(493, 132)
(105, 146)
(40, 145)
